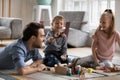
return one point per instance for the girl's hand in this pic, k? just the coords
(51, 39)
(97, 62)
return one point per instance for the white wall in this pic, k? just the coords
(0, 8)
(117, 18)
(27, 10)
(19, 9)
(24, 9)
(57, 5)
(6, 5)
(16, 8)
(117, 14)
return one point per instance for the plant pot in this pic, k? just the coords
(44, 2)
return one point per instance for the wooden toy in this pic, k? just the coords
(77, 69)
(107, 69)
(69, 72)
(61, 69)
(82, 74)
(90, 70)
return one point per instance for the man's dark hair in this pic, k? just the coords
(30, 30)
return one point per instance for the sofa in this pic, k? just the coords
(10, 28)
(78, 32)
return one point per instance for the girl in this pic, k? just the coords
(56, 44)
(103, 47)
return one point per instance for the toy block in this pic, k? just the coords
(61, 69)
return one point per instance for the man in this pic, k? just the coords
(22, 50)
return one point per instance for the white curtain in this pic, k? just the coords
(93, 9)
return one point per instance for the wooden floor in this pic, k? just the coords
(81, 52)
(3, 43)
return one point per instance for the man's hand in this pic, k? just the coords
(34, 67)
(36, 63)
(41, 67)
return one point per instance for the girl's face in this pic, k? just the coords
(58, 25)
(105, 21)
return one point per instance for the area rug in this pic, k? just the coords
(73, 77)
(100, 73)
(6, 77)
(97, 74)
(46, 75)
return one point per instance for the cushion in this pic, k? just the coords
(74, 17)
(77, 38)
(5, 32)
(5, 22)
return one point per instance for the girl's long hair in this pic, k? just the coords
(112, 24)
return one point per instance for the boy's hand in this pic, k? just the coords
(64, 57)
(51, 39)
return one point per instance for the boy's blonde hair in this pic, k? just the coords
(59, 18)
(111, 30)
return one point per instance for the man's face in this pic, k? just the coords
(39, 39)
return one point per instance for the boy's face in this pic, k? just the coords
(58, 25)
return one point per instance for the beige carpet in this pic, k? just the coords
(80, 52)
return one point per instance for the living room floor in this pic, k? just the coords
(81, 52)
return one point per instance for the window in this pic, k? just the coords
(93, 9)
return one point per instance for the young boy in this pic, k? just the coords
(56, 44)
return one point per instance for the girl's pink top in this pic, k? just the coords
(106, 46)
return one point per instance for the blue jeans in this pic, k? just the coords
(54, 57)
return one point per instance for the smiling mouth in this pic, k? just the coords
(59, 28)
(101, 28)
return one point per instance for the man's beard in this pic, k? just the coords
(37, 46)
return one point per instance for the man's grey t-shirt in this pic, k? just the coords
(16, 54)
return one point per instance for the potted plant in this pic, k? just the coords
(43, 2)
